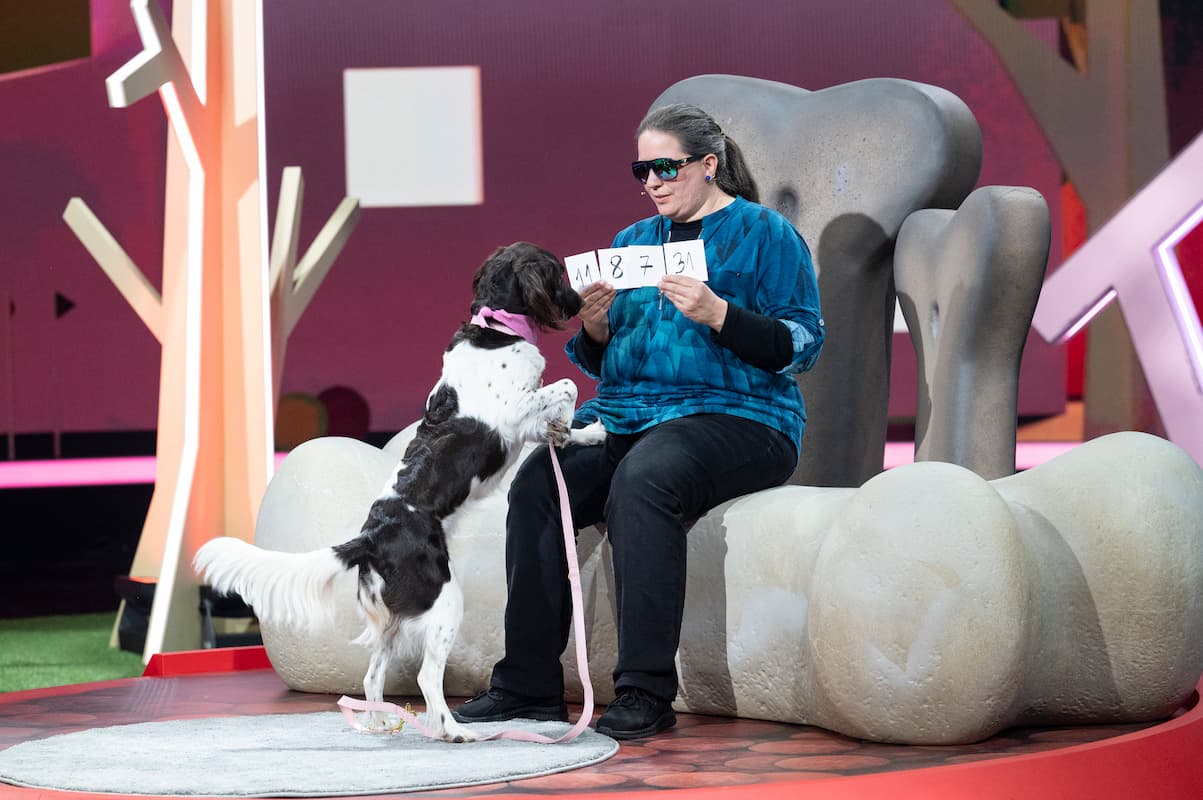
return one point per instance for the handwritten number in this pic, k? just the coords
(616, 266)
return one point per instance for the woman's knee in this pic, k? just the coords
(532, 480)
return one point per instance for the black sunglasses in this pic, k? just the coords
(666, 168)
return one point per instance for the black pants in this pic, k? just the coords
(646, 487)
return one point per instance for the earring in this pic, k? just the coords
(709, 178)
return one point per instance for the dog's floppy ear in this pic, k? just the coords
(550, 301)
(524, 278)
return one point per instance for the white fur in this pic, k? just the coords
(288, 588)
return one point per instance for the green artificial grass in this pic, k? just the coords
(37, 652)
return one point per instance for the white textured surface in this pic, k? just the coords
(285, 755)
(928, 606)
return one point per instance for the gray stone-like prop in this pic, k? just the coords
(929, 606)
(847, 165)
(967, 284)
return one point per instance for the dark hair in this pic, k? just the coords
(699, 134)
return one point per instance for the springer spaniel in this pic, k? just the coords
(488, 403)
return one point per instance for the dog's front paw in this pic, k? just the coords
(591, 434)
(558, 432)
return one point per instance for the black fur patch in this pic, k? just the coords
(403, 539)
(442, 405)
(484, 338)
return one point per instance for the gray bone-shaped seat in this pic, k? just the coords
(967, 284)
(847, 165)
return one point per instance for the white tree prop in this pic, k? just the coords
(223, 316)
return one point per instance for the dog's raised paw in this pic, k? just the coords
(591, 434)
(558, 432)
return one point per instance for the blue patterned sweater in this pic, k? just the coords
(659, 365)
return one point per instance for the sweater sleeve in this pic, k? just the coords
(789, 292)
(761, 341)
(588, 353)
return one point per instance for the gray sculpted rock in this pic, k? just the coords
(847, 165)
(929, 606)
(967, 284)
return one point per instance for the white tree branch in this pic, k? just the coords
(312, 269)
(116, 263)
(159, 63)
(287, 231)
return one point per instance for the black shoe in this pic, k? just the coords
(635, 714)
(497, 705)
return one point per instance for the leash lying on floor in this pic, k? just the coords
(350, 705)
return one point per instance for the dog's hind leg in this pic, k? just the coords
(380, 633)
(441, 624)
(373, 682)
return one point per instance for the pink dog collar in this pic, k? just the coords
(516, 323)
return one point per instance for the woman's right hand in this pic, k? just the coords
(595, 306)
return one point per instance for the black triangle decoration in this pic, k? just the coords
(62, 304)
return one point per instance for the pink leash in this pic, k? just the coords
(350, 705)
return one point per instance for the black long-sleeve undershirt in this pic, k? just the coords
(761, 341)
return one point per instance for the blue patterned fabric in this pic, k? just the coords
(660, 365)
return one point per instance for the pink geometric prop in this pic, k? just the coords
(1132, 259)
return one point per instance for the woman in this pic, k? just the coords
(699, 400)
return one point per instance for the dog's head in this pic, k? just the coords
(523, 278)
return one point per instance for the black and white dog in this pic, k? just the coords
(487, 404)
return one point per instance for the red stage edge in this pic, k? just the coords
(1161, 762)
(196, 662)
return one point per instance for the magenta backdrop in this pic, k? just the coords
(563, 86)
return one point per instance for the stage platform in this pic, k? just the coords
(703, 757)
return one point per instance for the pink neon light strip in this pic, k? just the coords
(141, 469)
(1027, 454)
(81, 472)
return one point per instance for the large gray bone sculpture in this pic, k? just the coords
(928, 606)
(847, 165)
(967, 284)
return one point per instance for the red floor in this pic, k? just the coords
(707, 757)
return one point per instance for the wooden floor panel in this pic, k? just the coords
(700, 752)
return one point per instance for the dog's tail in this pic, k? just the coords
(285, 588)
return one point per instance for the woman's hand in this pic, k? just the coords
(595, 306)
(695, 300)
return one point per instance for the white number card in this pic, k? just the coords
(582, 269)
(686, 258)
(632, 267)
(637, 265)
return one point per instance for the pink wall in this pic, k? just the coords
(562, 86)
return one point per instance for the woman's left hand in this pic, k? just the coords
(695, 300)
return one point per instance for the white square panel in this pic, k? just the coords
(413, 136)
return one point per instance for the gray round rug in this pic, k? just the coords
(285, 755)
